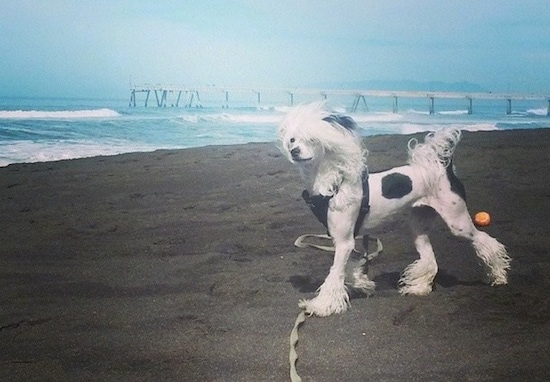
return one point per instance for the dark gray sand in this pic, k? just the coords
(180, 266)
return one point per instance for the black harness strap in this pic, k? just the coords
(365, 203)
(319, 205)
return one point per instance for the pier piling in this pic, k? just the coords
(432, 105)
(359, 98)
(193, 98)
(179, 98)
(226, 104)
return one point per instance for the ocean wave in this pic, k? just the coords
(273, 118)
(29, 152)
(453, 112)
(232, 118)
(541, 111)
(377, 117)
(441, 112)
(481, 127)
(58, 114)
(412, 128)
(414, 111)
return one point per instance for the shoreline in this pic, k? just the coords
(179, 265)
(104, 152)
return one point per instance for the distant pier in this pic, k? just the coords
(182, 96)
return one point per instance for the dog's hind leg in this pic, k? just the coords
(356, 276)
(494, 256)
(487, 248)
(418, 277)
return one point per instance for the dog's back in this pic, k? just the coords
(429, 169)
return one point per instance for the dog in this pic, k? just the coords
(331, 157)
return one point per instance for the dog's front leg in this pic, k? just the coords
(333, 296)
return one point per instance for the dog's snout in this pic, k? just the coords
(295, 152)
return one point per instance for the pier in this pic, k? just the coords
(183, 96)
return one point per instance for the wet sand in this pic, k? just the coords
(180, 266)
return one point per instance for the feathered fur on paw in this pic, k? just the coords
(327, 302)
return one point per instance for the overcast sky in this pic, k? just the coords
(96, 47)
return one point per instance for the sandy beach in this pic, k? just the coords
(180, 266)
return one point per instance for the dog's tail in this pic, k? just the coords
(435, 154)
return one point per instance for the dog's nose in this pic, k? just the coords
(295, 152)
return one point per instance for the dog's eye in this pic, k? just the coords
(292, 140)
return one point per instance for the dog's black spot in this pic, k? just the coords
(396, 185)
(456, 185)
(342, 120)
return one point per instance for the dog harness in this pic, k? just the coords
(319, 205)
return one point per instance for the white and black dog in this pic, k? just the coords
(332, 160)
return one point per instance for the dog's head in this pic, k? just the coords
(309, 132)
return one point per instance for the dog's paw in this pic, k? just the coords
(362, 283)
(418, 277)
(495, 278)
(323, 307)
(415, 289)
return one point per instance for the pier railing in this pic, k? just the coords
(183, 96)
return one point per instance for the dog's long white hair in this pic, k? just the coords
(332, 159)
(331, 149)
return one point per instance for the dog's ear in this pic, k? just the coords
(342, 120)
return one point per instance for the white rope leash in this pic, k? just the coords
(293, 355)
(301, 244)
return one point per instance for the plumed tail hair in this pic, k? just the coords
(435, 154)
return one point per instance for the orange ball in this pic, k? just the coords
(482, 219)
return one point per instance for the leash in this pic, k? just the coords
(369, 256)
(293, 354)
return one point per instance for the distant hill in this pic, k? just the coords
(405, 85)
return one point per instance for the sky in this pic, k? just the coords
(97, 48)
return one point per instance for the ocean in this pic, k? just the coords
(38, 130)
